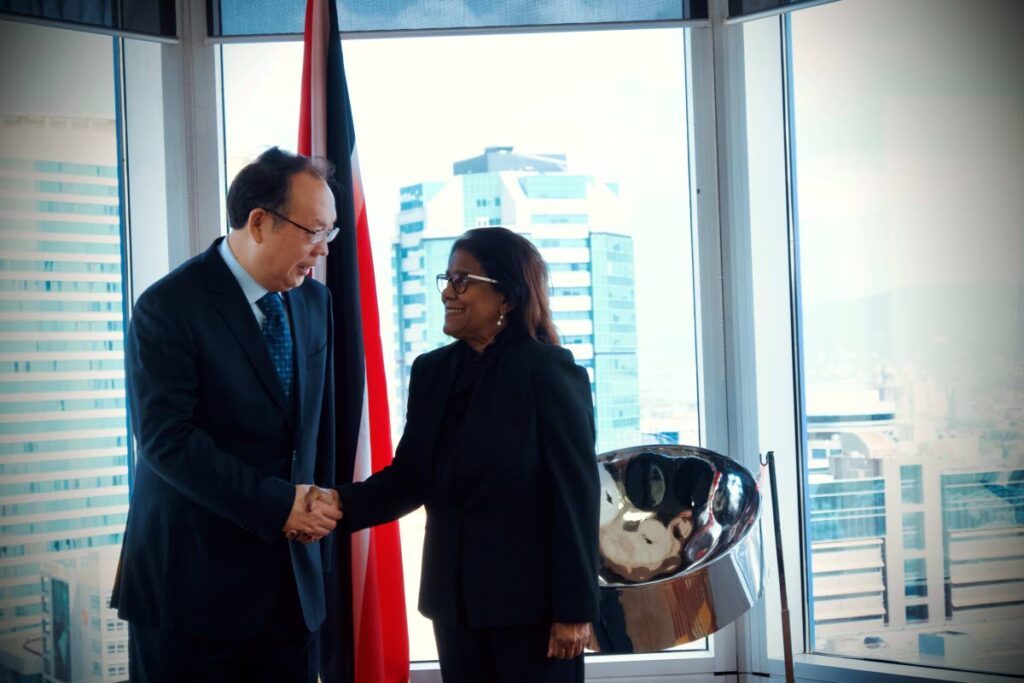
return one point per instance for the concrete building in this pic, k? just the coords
(910, 536)
(83, 640)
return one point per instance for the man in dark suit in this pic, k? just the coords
(229, 362)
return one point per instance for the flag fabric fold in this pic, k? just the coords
(365, 638)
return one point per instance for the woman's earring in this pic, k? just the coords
(501, 319)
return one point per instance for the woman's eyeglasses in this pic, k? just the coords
(460, 281)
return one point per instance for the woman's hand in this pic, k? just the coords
(568, 640)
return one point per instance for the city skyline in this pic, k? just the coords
(911, 297)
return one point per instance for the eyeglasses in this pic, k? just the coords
(460, 281)
(315, 236)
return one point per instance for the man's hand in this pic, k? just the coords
(310, 518)
(568, 640)
(317, 498)
(323, 500)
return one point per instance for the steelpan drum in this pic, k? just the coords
(681, 546)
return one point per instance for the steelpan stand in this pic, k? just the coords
(787, 638)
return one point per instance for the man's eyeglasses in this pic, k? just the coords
(315, 236)
(460, 281)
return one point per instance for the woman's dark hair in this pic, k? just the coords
(266, 182)
(521, 273)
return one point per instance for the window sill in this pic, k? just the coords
(834, 669)
(612, 667)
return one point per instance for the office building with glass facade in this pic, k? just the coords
(64, 443)
(576, 223)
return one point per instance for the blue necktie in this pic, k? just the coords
(278, 338)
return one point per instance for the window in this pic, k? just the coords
(911, 484)
(915, 578)
(917, 613)
(62, 303)
(587, 153)
(907, 162)
(913, 531)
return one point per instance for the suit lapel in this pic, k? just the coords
(231, 304)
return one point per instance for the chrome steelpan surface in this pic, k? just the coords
(681, 546)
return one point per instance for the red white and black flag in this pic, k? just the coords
(365, 638)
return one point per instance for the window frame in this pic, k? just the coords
(75, 544)
(721, 653)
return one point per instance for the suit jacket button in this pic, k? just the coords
(294, 456)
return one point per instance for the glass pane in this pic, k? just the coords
(578, 140)
(909, 140)
(63, 433)
(911, 484)
(744, 8)
(153, 17)
(265, 17)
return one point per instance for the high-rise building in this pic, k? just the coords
(576, 222)
(83, 640)
(909, 537)
(64, 442)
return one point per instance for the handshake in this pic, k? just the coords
(314, 514)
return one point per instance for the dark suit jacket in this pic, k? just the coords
(219, 452)
(521, 542)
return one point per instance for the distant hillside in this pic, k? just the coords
(979, 328)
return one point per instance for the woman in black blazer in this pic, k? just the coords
(499, 446)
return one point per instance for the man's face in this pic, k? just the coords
(286, 252)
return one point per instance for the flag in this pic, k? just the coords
(365, 638)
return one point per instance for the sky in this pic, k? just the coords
(612, 101)
(909, 145)
(33, 65)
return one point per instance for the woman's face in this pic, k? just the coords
(473, 315)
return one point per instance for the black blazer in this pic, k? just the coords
(521, 543)
(219, 453)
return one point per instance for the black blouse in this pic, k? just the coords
(447, 451)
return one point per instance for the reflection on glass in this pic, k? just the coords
(63, 433)
(909, 162)
(576, 140)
